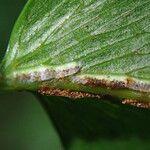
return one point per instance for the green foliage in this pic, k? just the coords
(86, 42)
(92, 124)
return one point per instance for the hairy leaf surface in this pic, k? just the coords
(94, 46)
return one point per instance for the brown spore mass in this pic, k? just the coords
(65, 93)
(104, 83)
(136, 103)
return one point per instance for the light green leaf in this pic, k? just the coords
(96, 46)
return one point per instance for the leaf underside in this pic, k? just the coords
(91, 46)
(88, 124)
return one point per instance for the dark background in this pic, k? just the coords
(24, 125)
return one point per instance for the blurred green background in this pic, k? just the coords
(24, 125)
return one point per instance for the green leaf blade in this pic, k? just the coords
(107, 40)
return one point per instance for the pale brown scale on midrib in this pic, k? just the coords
(132, 84)
(45, 73)
(128, 83)
(104, 83)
